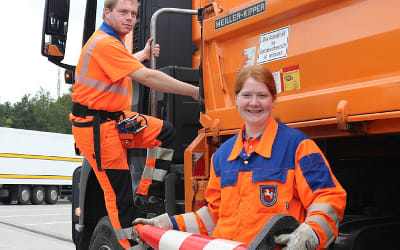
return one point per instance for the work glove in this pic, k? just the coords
(162, 220)
(303, 238)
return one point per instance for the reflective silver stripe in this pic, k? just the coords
(160, 153)
(154, 174)
(191, 223)
(93, 83)
(326, 208)
(159, 174)
(102, 86)
(324, 225)
(124, 233)
(152, 153)
(165, 154)
(88, 51)
(208, 221)
(157, 153)
(147, 173)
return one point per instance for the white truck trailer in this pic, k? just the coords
(36, 166)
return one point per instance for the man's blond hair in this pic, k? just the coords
(110, 4)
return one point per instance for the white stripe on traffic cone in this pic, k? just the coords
(165, 239)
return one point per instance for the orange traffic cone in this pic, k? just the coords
(166, 239)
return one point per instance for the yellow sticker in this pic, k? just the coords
(291, 78)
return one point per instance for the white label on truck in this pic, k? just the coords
(278, 82)
(273, 45)
(250, 53)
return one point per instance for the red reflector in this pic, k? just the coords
(198, 164)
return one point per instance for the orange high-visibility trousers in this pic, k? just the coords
(115, 178)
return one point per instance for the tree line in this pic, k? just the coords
(39, 112)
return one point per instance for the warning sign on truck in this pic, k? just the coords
(291, 78)
(273, 45)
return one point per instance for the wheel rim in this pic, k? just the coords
(25, 195)
(53, 194)
(104, 247)
(40, 195)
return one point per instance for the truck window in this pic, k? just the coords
(75, 30)
(99, 13)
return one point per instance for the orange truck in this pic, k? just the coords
(337, 71)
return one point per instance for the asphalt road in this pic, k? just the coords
(36, 227)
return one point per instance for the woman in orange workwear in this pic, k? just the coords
(266, 169)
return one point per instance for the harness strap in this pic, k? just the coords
(96, 139)
(83, 111)
(99, 117)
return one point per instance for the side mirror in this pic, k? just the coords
(55, 28)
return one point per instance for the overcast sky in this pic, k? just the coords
(24, 70)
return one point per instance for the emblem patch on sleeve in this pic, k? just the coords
(268, 194)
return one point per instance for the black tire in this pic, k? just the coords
(103, 237)
(24, 196)
(52, 194)
(38, 194)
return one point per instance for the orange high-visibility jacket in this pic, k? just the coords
(102, 73)
(286, 173)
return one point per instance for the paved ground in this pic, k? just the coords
(36, 227)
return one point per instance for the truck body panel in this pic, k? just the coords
(332, 50)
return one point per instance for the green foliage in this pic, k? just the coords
(40, 112)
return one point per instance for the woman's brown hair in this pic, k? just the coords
(259, 73)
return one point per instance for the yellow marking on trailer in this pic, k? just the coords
(41, 157)
(15, 176)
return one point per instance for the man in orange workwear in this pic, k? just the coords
(100, 96)
(266, 169)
